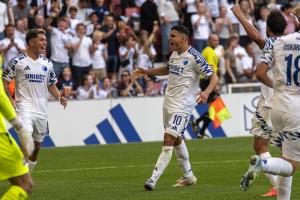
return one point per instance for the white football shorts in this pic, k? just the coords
(175, 123)
(261, 123)
(286, 134)
(38, 127)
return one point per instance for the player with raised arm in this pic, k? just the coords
(12, 166)
(184, 67)
(34, 76)
(261, 122)
(285, 115)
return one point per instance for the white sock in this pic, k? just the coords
(182, 155)
(31, 165)
(277, 166)
(272, 178)
(284, 185)
(162, 162)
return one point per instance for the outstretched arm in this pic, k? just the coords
(157, 71)
(252, 32)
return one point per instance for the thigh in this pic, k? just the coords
(12, 162)
(291, 149)
(177, 123)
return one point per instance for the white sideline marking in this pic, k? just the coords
(127, 166)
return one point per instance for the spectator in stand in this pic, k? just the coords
(110, 37)
(99, 56)
(83, 10)
(190, 9)
(209, 52)
(107, 87)
(246, 8)
(21, 10)
(292, 22)
(145, 49)
(73, 19)
(168, 18)
(66, 84)
(10, 45)
(127, 54)
(231, 75)
(261, 24)
(61, 40)
(247, 64)
(151, 91)
(128, 87)
(101, 10)
(125, 31)
(201, 23)
(92, 24)
(148, 14)
(3, 18)
(88, 89)
(81, 55)
(223, 26)
(104, 89)
(21, 29)
(214, 8)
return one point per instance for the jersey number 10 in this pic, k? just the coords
(289, 74)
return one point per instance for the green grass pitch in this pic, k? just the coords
(112, 172)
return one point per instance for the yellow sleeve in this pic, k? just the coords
(209, 55)
(6, 108)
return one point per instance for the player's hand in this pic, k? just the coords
(138, 72)
(27, 144)
(236, 8)
(202, 97)
(63, 101)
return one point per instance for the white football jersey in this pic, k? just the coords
(183, 82)
(32, 78)
(285, 53)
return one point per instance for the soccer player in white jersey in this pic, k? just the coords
(261, 123)
(34, 76)
(285, 106)
(184, 67)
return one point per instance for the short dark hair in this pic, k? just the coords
(276, 22)
(181, 29)
(33, 33)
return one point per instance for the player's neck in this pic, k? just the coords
(32, 54)
(183, 48)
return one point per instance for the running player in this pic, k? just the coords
(261, 123)
(285, 115)
(34, 76)
(184, 67)
(12, 161)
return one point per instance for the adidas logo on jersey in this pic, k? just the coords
(174, 128)
(27, 68)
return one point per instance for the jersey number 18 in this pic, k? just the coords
(289, 74)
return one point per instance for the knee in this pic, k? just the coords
(169, 140)
(26, 183)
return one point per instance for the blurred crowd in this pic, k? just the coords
(95, 44)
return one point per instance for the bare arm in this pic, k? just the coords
(157, 71)
(262, 76)
(57, 95)
(10, 13)
(252, 32)
(203, 95)
(5, 85)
